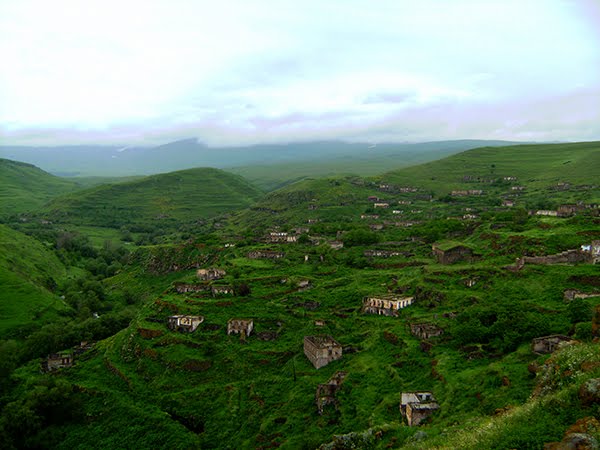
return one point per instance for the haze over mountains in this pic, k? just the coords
(93, 160)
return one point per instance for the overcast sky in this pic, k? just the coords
(235, 72)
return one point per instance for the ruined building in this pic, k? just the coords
(242, 327)
(321, 350)
(56, 361)
(183, 288)
(210, 274)
(221, 290)
(452, 254)
(385, 305)
(417, 406)
(425, 330)
(548, 344)
(265, 254)
(183, 323)
(325, 394)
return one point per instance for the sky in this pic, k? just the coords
(240, 72)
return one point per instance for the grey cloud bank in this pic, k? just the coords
(257, 72)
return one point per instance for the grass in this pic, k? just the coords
(28, 270)
(161, 200)
(25, 187)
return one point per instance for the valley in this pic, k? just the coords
(203, 298)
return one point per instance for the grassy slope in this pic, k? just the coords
(539, 165)
(26, 268)
(173, 197)
(25, 187)
(262, 393)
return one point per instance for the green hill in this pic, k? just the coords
(539, 166)
(28, 271)
(24, 187)
(164, 199)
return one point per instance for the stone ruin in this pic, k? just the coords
(549, 344)
(183, 323)
(265, 254)
(417, 406)
(325, 394)
(573, 294)
(321, 350)
(183, 288)
(453, 254)
(221, 290)
(425, 330)
(210, 274)
(385, 305)
(56, 361)
(243, 327)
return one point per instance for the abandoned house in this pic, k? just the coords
(385, 305)
(222, 290)
(336, 245)
(321, 350)
(417, 406)
(265, 254)
(451, 253)
(508, 203)
(376, 226)
(369, 216)
(381, 205)
(425, 330)
(56, 361)
(242, 327)
(319, 323)
(406, 189)
(325, 394)
(373, 198)
(569, 210)
(210, 274)
(548, 344)
(183, 323)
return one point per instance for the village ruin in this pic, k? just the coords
(56, 361)
(183, 323)
(385, 305)
(425, 330)
(243, 327)
(549, 344)
(210, 274)
(326, 392)
(321, 350)
(417, 406)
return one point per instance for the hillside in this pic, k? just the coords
(28, 273)
(24, 187)
(165, 199)
(419, 290)
(538, 166)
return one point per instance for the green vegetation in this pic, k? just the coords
(144, 385)
(29, 276)
(25, 187)
(166, 200)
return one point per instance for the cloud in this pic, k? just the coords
(246, 72)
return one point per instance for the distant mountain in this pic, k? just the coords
(24, 187)
(28, 271)
(174, 197)
(189, 153)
